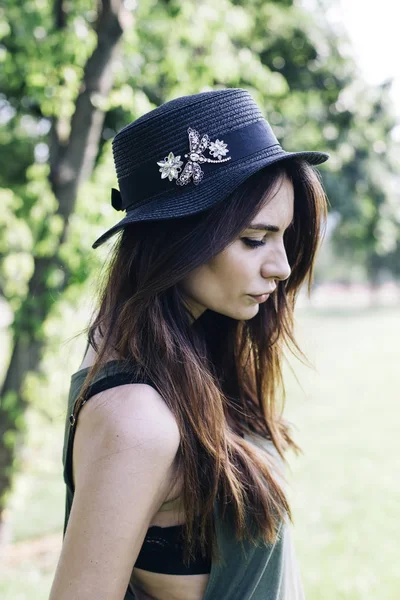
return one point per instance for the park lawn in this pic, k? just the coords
(343, 489)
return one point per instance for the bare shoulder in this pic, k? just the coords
(132, 418)
(124, 448)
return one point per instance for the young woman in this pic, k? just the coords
(175, 467)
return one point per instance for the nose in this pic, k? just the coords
(276, 265)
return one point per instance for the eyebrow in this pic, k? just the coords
(266, 227)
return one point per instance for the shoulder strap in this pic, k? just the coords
(109, 381)
(112, 374)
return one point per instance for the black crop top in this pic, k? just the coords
(162, 549)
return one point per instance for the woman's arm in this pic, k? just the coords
(124, 448)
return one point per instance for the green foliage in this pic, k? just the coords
(289, 59)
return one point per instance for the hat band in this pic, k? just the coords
(146, 182)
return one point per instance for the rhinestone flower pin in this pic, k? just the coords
(171, 165)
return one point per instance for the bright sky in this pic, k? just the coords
(373, 29)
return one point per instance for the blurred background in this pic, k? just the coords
(326, 73)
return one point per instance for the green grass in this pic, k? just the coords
(345, 489)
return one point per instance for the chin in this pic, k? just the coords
(242, 314)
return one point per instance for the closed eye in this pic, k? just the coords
(252, 243)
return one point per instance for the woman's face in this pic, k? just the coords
(225, 282)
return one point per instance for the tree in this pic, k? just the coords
(71, 81)
(74, 145)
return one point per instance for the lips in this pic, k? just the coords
(262, 293)
(260, 298)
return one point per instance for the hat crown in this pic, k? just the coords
(186, 155)
(164, 129)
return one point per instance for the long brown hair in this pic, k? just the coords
(216, 366)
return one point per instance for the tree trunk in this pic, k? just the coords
(70, 164)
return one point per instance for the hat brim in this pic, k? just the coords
(194, 199)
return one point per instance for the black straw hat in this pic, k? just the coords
(190, 153)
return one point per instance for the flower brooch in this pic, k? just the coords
(171, 166)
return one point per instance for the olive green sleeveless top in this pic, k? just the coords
(247, 571)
